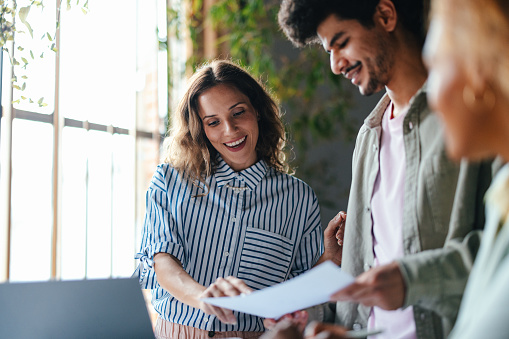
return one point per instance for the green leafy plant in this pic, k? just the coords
(15, 20)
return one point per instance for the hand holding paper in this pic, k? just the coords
(308, 289)
(382, 286)
(229, 286)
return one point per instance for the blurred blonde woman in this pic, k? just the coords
(223, 215)
(467, 53)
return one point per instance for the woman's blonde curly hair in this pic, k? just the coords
(187, 148)
(469, 23)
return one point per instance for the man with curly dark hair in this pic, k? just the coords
(300, 21)
(410, 236)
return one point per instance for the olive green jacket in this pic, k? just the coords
(443, 208)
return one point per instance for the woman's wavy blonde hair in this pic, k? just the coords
(477, 34)
(187, 148)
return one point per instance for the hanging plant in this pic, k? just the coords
(14, 19)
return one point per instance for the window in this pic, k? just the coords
(76, 162)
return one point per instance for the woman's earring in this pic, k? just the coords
(484, 102)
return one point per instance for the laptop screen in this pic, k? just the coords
(103, 308)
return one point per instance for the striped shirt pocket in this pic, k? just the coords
(265, 259)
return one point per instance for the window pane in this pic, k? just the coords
(110, 233)
(98, 63)
(147, 64)
(99, 218)
(4, 196)
(123, 206)
(148, 158)
(32, 160)
(36, 59)
(3, 166)
(108, 75)
(74, 203)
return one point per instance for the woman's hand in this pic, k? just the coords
(318, 330)
(333, 239)
(173, 278)
(284, 329)
(223, 287)
(298, 319)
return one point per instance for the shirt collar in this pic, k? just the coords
(251, 176)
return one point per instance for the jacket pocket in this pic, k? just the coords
(441, 188)
(265, 258)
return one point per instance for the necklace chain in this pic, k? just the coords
(237, 189)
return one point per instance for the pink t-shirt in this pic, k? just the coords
(387, 214)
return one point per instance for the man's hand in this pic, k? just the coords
(382, 286)
(223, 287)
(333, 239)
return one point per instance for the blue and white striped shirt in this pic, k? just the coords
(264, 233)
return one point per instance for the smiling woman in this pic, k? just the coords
(231, 125)
(189, 147)
(223, 216)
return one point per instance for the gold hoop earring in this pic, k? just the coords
(485, 102)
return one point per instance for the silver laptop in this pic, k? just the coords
(107, 308)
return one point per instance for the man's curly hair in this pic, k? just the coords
(299, 19)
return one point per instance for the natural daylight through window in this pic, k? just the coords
(75, 163)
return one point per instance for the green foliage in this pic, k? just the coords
(14, 20)
(250, 28)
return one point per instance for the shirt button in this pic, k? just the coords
(226, 253)
(367, 266)
(410, 125)
(357, 327)
(375, 148)
(234, 219)
(368, 209)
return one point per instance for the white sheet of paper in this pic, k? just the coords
(308, 289)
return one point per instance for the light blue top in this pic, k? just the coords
(484, 311)
(264, 232)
